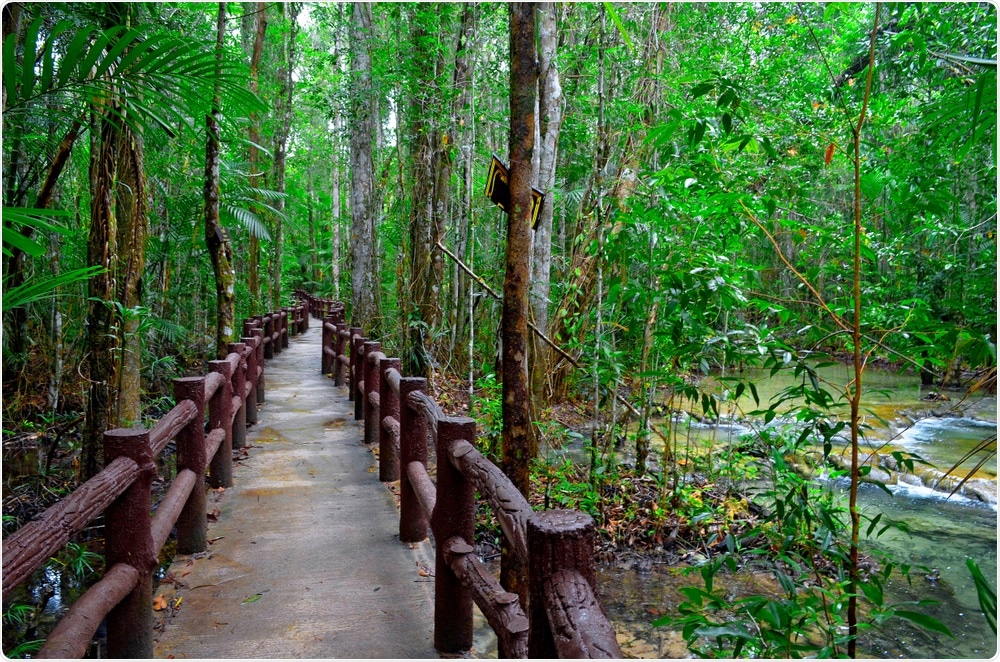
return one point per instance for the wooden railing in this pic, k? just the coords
(231, 390)
(565, 617)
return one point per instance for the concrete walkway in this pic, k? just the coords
(306, 561)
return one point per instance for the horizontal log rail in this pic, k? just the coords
(566, 618)
(231, 392)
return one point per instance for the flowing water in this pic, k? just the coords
(944, 531)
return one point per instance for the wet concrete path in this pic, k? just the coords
(306, 561)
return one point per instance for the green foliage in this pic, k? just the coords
(987, 594)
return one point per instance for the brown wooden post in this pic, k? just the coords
(326, 342)
(220, 410)
(340, 349)
(306, 310)
(128, 539)
(412, 448)
(388, 457)
(557, 540)
(284, 328)
(239, 389)
(454, 515)
(258, 333)
(371, 377)
(192, 525)
(268, 332)
(357, 372)
(251, 403)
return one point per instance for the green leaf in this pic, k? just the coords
(924, 621)
(733, 629)
(701, 89)
(613, 13)
(727, 123)
(28, 63)
(872, 591)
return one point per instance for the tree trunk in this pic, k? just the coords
(216, 238)
(518, 440)
(463, 112)
(101, 251)
(131, 212)
(550, 119)
(364, 269)
(280, 147)
(259, 17)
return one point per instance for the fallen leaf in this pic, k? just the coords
(159, 603)
(212, 541)
(253, 598)
(221, 490)
(177, 602)
(214, 515)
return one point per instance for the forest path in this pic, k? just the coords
(306, 560)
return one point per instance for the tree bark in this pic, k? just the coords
(550, 119)
(518, 440)
(364, 268)
(101, 251)
(280, 147)
(216, 238)
(131, 212)
(259, 19)
(465, 120)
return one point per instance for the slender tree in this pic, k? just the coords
(257, 14)
(216, 237)
(281, 146)
(550, 103)
(519, 446)
(364, 267)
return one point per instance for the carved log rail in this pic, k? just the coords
(566, 618)
(231, 391)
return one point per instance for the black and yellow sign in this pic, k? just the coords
(498, 190)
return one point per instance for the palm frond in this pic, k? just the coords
(39, 219)
(39, 290)
(169, 70)
(246, 218)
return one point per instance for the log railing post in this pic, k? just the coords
(357, 365)
(328, 363)
(557, 540)
(388, 457)
(412, 448)
(340, 349)
(284, 328)
(268, 333)
(258, 333)
(220, 409)
(251, 403)
(454, 515)
(192, 526)
(239, 389)
(128, 539)
(371, 377)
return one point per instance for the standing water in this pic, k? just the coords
(943, 532)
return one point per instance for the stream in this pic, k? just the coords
(944, 531)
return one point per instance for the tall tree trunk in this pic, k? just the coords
(131, 207)
(335, 195)
(280, 147)
(216, 238)
(257, 12)
(463, 113)
(101, 251)
(519, 446)
(549, 121)
(364, 268)
(422, 313)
